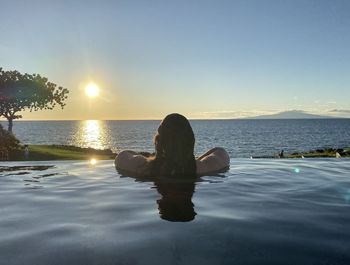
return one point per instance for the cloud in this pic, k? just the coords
(343, 111)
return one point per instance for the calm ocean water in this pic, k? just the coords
(241, 138)
(262, 211)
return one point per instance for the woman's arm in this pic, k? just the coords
(130, 161)
(208, 152)
(214, 161)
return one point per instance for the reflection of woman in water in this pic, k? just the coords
(174, 146)
(176, 202)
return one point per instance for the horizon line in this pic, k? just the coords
(203, 119)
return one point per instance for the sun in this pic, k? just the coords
(92, 90)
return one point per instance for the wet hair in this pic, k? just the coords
(174, 144)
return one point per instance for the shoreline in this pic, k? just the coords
(318, 153)
(328, 152)
(70, 152)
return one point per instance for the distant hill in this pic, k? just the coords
(292, 114)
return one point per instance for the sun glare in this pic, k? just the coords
(92, 90)
(93, 161)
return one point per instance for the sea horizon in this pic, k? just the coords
(241, 137)
(194, 119)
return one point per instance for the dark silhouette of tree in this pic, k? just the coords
(7, 140)
(19, 92)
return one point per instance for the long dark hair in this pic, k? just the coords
(174, 144)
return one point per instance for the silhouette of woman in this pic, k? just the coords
(173, 167)
(173, 157)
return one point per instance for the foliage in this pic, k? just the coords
(7, 140)
(19, 92)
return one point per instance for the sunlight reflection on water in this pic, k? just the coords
(241, 138)
(91, 133)
(93, 161)
(116, 135)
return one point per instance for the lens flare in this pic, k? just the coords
(347, 197)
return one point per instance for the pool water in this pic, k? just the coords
(259, 212)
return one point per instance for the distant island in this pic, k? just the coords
(292, 114)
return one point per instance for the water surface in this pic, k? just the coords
(241, 138)
(259, 212)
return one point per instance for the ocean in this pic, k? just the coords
(241, 138)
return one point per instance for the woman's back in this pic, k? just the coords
(174, 153)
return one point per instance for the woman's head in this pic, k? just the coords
(174, 144)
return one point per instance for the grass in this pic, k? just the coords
(61, 152)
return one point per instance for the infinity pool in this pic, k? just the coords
(259, 212)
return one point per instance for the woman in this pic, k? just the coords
(174, 145)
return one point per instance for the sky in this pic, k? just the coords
(204, 59)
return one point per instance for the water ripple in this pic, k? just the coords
(259, 212)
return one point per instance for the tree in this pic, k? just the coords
(20, 92)
(7, 140)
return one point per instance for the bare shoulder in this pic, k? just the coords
(222, 153)
(130, 161)
(213, 161)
